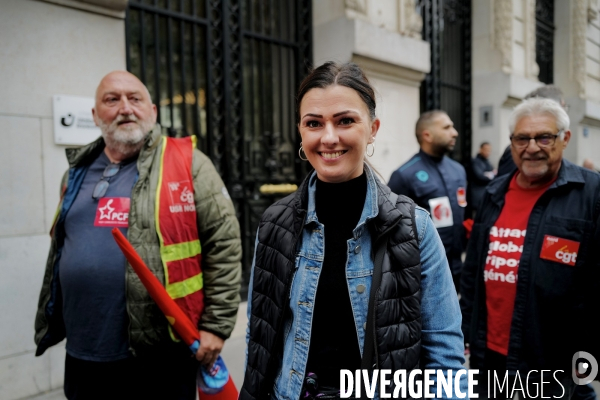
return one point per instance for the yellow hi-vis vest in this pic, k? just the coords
(176, 225)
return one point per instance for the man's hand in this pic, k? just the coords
(210, 348)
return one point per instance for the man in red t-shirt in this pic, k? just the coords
(531, 271)
(507, 237)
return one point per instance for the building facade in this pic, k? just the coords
(48, 48)
(506, 66)
(227, 70)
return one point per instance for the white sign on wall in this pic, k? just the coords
(73, 120)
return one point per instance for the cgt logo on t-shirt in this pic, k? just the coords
(112, 212)
(561, 250)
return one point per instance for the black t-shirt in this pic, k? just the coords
(334, 341)
(92, 267)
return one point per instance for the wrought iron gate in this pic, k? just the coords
(544, 39)
(227, 71)
(447, 27)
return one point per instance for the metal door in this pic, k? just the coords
(544, 39)
(447, 27)
(227, 71)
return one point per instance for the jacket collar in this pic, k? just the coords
(568, 173)
(378, 208)
(432, 159)
(85, 154)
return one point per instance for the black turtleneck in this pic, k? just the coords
(334, 342)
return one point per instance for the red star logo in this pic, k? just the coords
(107, 210)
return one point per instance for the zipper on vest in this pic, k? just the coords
(371, 308)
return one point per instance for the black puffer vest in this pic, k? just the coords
(397, 304)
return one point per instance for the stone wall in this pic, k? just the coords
(46, 49)
(504, 69)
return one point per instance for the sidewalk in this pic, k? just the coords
(234, 354)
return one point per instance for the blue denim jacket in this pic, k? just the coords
(442, 339)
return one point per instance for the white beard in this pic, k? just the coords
(126, 140)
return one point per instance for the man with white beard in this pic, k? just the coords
(168, 199)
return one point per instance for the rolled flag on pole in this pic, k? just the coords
(213, 384)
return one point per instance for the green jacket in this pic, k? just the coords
(219, 234)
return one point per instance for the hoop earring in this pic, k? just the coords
(300, 151)
(367, 149)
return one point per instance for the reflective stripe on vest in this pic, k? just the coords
(176, 225)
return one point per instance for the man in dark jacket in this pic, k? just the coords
(531, 276)
(482, 173)
(437, 183)
(506, 165)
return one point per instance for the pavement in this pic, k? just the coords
(234, 354)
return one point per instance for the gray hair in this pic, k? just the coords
(539, 106)
(548, 92)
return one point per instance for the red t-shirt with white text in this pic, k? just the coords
(504, 254)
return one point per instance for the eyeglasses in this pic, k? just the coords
(102, 185)
(543, 141)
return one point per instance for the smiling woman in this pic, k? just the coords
(343, 266)
(336, 127)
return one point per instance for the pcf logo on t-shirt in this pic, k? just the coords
(112, 212)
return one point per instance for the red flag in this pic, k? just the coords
(178, 320)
